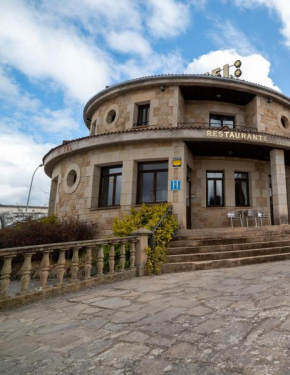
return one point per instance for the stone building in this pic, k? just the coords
(205, 144)
(10, 213)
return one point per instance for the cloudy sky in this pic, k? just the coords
(56, 54)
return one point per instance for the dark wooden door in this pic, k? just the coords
(271, 200)
(188, 198)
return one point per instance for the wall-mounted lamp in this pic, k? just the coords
(270, 100)
(161, 88)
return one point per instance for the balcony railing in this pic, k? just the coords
(140, 124)
(206, 125)
(80, 267)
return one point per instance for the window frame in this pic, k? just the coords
(115, 175)
(141, 107)
(222, 119)
(223, 188)
(155, 172)
(240, 180)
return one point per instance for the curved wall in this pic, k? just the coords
(174, 122)
(82, 202)
(170, 105)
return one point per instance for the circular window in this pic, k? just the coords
(71, 178)
(284, 122)
(111, 116)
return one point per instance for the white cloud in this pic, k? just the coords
(97, 16)
(199, 3)
(19, 156)
(281, 7)
(11, 94)
(227, 36)
(255, 67)
(47, 43)
(7, 88)
(42, 50)
(60, 121)
(156, 64)
(168, 18)
(129, 42)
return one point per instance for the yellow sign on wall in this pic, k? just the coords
(176, 162)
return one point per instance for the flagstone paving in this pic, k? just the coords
(214, 322)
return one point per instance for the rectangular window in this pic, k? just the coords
(110, 186)
(152, 182)
(242, 189)
(143, 115)
(215, 189)
(216, 121)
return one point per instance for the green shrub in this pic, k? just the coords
(148, 217)
(117, 257)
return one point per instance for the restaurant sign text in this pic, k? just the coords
(236, 135)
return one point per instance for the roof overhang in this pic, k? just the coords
(154, 134)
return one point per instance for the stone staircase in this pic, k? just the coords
(215, 248)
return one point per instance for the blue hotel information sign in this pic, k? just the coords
(175, 185)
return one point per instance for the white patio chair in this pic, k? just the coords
(235, 215)
(251, 215)
(263, 215)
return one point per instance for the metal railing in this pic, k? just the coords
(141, 124)
(207, 125)
(167, 212)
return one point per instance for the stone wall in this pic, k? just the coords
(213, 217)
(168, 107)
(251, 113)
(181, 107)
(269, 117)
(75, 203)
(163, 109)
(198, 111)
(83, 201)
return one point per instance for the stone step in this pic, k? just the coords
(222, 263)
(227, 254)
(189, 242)
(233, 232)
(228, 247)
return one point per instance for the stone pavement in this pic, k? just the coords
(215, 322)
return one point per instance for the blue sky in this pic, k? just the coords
(56, 54)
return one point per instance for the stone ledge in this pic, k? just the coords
(39, 295)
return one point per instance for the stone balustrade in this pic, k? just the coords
(74, 280)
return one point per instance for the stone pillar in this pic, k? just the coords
(288, 196)
(177, 198)
(140, 254)
(278, 176)
(129, 183)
